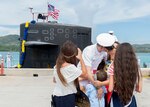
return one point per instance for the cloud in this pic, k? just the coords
(81, 12)
(89, 12)
(8, 30)
(119, 10)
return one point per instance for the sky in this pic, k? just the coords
(129, 19)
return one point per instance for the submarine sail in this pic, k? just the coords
(44, 40)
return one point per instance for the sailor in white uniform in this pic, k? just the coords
(94, 54)
(8, 58)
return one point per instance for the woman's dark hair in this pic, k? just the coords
(68, 53)
(101, 74)
(109, 48)
(126, 72)
(101, 66)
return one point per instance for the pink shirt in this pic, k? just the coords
(111, 69)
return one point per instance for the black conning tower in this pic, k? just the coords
(44, 41)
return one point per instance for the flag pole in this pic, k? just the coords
(47, 10)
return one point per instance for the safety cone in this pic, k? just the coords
(2, 68)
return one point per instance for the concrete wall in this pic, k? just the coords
(46, 72)
(145, 71)
(27, 72)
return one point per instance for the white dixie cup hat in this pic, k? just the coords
(105, 39)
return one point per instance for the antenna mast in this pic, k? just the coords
(31, 12)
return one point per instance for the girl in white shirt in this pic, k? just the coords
(66, 75)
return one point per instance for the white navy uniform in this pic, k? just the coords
(8, 60)
(92, 57)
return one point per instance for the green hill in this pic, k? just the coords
(9, 43)
(142, 48)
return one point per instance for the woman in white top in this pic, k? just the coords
(66, 75)
(125, 77)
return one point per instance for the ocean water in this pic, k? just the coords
(14, 56)
(142, 58)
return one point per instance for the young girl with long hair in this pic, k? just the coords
(125, 77)
(66, 75)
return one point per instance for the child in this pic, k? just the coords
(91, 91)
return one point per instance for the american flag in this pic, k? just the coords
(53, 12)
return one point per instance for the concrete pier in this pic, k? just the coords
(19, 88)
